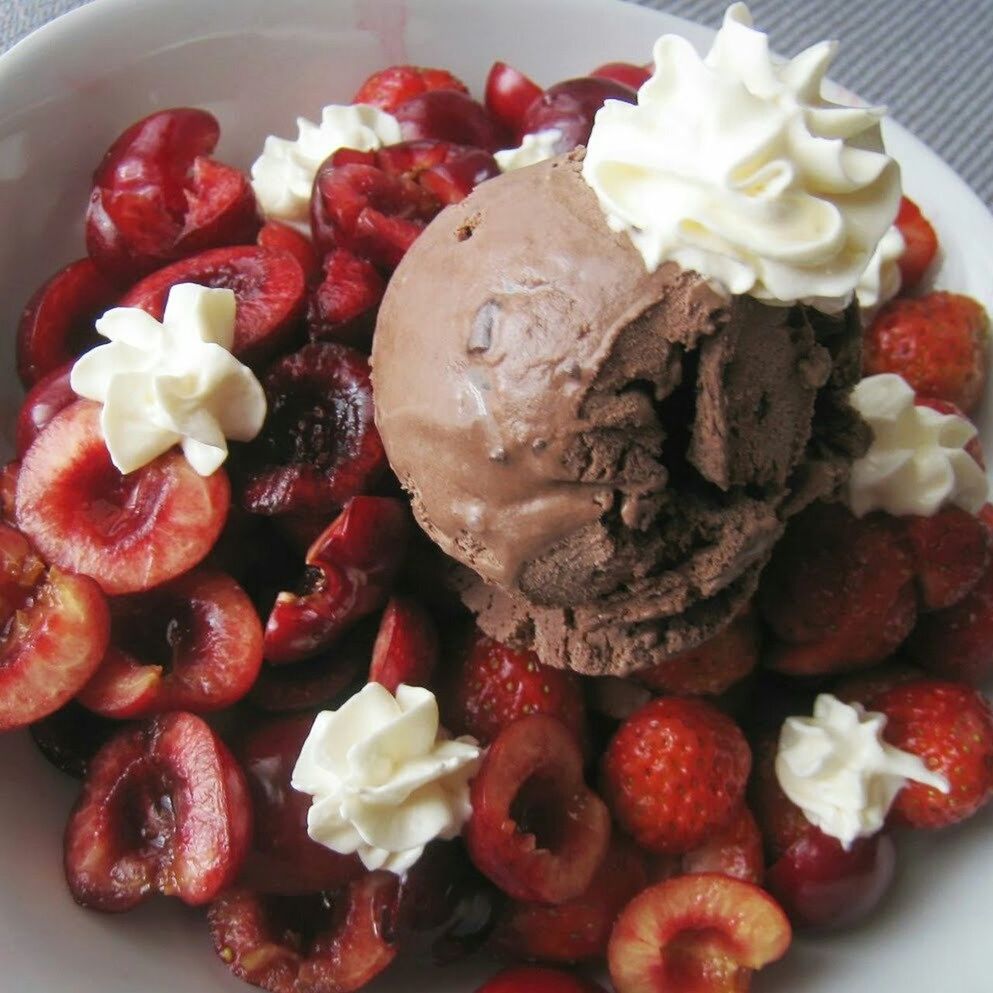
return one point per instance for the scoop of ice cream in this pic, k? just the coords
(611, 452)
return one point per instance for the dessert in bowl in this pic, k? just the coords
(28, 777)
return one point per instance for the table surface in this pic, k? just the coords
(927, 60)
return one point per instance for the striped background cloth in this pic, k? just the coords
(928, 60)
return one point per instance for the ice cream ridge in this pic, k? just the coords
(608, 379)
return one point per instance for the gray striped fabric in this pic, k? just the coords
(928, 60)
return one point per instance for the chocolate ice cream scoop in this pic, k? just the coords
(611, 452)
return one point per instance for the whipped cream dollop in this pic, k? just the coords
(836, 767)
(736, 167)
(384, 777)
(283, 175)
(881, 280)
(534, 148)
(172, 383)
(917, 462)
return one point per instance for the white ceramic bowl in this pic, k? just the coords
(65, 93)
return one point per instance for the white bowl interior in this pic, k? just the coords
(64, 94)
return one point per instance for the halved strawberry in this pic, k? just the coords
(57, 323)
(164, 809)
(194, 644)
(129, 533)
(269, 288)
(54, 628)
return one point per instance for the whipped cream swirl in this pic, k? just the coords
(917, 462)
(881, 280)
(283, 175)
(836, 767)
(172, 383)
(534, 148)
(736, 167)
(384, 777)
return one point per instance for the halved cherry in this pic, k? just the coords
(343, 305)
(193, 644)
(625, 73)
(371, 213)
(352, 568)
(570, 106)
(390, 87)
(312, 944)
(276, 236)
(319, 446)
(508, 95)
(702, 933)
(129, 533)
(579, 929)
(449, 171)
(536, 829)
(164, 809)
(406, 649)
(54, 628)
(822, 885)
(284, 859)
(448, 115)
(8, 491)
(71, 736)
(269, 288)
(158, 197)
(45, 399)
(56, 326)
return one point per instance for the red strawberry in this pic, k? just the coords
(390, 87)
(921, 244)
(675, 773)
(497, 684)
(838, 593)
(950, 727)
(713, 667)
(937, 342)
(950, 554)
(957, 643)
(578, 929)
